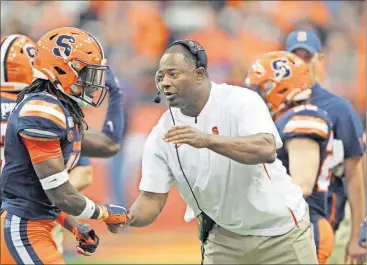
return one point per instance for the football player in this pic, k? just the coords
(283, 80)
(43, 142)
(81, 176)
(17, 56)
(348, 148)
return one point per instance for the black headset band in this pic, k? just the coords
(196, 49)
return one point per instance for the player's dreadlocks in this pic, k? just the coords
(40, 85)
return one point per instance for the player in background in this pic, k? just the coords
(283, 81)
(17, 55)
(348, 148)
(44, 136)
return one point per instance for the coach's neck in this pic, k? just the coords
(201, 97)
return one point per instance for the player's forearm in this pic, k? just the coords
(97, 144)
(356, 196)
(250, 150)
(147, 208)
(69, 200)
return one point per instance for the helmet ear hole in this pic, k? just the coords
(59, 70)
(284, 90)
(53, 36)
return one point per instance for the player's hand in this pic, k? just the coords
(118, 228)
(87, 239)
(187, 135)
(113, 214)
(355, 254)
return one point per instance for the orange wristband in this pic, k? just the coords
(61, 219)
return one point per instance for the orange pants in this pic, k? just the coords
(324, 239)
(27, 241)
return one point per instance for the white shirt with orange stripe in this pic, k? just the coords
(245, 199)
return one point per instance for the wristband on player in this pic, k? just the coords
(61, 219)
(55, 180)
(89, 209)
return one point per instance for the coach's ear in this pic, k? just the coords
(200, 74)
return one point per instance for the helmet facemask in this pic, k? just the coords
(90, 88)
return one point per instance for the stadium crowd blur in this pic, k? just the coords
(135, 33)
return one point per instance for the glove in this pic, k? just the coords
(87, 239)
(113, 214)
(362, 236)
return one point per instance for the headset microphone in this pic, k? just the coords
(157, 98)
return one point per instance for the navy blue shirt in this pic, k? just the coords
(39, 115)
(347, 127)
(346, 123)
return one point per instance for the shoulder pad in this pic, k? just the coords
(41, 116)
(307, 122)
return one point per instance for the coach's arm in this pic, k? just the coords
(250, 150)
(146, 208)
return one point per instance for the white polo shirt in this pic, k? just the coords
(241, 198)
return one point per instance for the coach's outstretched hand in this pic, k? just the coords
(87, 239)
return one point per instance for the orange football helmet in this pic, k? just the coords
(17, 57)
(280, 78)
(73, 60)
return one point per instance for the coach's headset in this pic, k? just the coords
(201, 61)
(196, 49)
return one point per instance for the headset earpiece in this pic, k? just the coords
(196, 49)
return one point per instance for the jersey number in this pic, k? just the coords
(323, 180)
(64, 42)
